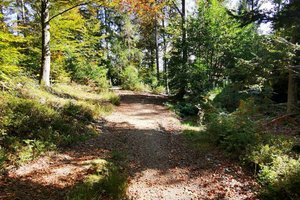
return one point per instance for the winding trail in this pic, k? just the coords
(160, 164)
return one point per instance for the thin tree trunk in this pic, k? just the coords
(19, 17)
(165, 59)
(292, 103)
(46, 54)
(151, 58)
(182, 90)
(184, 45)
(157, 49)
(23, 12)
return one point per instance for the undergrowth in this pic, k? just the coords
(243, 135)
(108, 181)
(34, 120)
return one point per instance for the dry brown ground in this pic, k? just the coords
(160, 164)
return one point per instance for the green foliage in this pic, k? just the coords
(87, 73)
(274, 162)
(2, 157)
(131, 80)
(158, 89)
(115, 99)
(21, 114)
(8, 71)
(32, 149)
(230, 97)
(10, 55)
(108, 181)
(277, 166)
(78, 112)
(34, 120)
(185, 109)
(199, 140)
(233, 132)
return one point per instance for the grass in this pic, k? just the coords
(196, 135)
(34, 120)
(108, 181)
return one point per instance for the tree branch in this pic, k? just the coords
(176, 7)
(68, 9)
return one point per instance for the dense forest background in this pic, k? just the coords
(212, 59)
(153, 45)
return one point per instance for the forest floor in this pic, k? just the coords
(160, 163)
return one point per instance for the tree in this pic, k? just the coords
(45, 23)
(287, 22)
(285, 18)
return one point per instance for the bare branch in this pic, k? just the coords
(176, 7)
(68, 9)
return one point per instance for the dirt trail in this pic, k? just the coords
(160, 164)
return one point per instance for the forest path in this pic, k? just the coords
(159, 163)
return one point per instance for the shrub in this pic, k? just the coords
(276, 165)
(158, 89)
(278, 168)
(87, 73)
(29, 128)
(186, 109)
(230, 98)
(25, 118)
(115, 99)
(234, 133)
(7, 71)
(79, 112)
(131, 80)
(108, 181)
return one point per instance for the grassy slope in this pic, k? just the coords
(34, 120)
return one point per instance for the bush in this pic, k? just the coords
(276, 164)
(29, 128)
(230, 98)
(8, 71)
(278, 168)
(25, 118)
(79, 112)
(2, 157)
(131, 80)
(87, 73)
(233, 132)
(184, 109)
(158, 89)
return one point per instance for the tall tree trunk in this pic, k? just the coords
(46, 54)
(184, 45)
(152, 58)
(165, 59)
(23, 15)
(19, 17)
(292, 104)
(182, 90)
(157, 49)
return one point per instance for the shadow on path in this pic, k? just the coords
(160, 164)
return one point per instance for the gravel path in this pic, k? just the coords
(160, 164)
